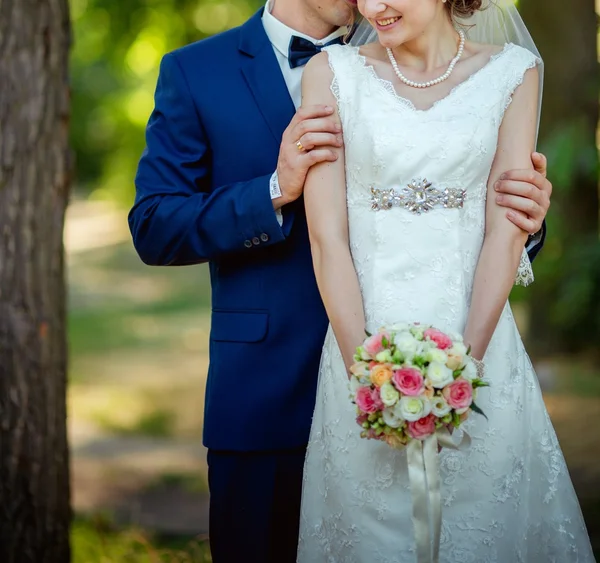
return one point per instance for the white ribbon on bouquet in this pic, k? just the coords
(424, 477)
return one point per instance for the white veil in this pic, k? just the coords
(497, 22)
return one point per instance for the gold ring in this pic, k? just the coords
(300, 146)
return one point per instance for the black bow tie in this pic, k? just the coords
(302, 50)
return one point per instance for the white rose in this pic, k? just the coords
(439, 375)
(391, 418)
(400, 327)
(470, 371)
(436, 355)
(353, 385)
(389, 395)
(440, 407)
(407, 344)
(455, 336)
(458, 348)
(414, 408)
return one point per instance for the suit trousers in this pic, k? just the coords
(255, 505)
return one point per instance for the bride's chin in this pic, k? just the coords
(389, 41)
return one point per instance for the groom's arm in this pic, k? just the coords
(178, 218)
(526, 195)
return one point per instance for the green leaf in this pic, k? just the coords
(455, 419)
(479, 383)
(368, 333)
(385, 342)
(476, 409)
(456, 373)
(469, 350)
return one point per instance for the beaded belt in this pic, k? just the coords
(418, 197)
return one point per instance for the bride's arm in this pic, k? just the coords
(503, 243)
(327, 217)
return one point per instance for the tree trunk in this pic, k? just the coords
(34, 186)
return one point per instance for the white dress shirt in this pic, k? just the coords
(280, 36)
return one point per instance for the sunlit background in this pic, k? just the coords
(139, 335)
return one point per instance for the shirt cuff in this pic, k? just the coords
(275, 190)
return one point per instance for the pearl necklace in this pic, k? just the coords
(445, 76)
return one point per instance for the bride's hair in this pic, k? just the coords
(463, 8)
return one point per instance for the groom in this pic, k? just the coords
(221, 182)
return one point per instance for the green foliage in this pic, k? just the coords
(159, 423)
(116, 54)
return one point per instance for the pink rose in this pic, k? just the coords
(459, 393)
(368, 401)
(409, 381)
(422, 428)
(374, 344)
(442, 340)
(376, 397)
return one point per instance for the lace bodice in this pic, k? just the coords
(452, 144)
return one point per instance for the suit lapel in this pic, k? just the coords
(263, 76)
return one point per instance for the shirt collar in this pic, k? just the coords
(280, 34)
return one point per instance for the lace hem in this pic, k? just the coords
(525, 271)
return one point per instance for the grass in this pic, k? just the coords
(97, 540)
(159, 423)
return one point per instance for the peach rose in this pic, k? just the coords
(456, 356)
(381, 374)
(443, 341)
(360, 369)
(459, 394)
(395, 441)
(422, 428)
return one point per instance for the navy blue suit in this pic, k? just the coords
(221, 107)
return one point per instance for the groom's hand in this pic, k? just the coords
(308, 140)
(527, 195)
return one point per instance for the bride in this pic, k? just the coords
(423, 106)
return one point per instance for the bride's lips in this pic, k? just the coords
(385, 24)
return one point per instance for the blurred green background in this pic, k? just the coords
(139, 335)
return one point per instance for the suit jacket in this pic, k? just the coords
(202, 195)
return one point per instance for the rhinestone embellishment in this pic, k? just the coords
(418, 197)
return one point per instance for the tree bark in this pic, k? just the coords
(34, 186)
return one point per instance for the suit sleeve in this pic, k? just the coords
(177, 218)
(536, 242)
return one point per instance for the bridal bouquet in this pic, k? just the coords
(410, 381)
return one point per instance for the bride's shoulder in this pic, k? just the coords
(323, 63)
(483, 51)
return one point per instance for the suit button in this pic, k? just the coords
(264, 237)
(247, 244)
(255, 241)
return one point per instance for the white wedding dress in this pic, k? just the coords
(509, 498)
